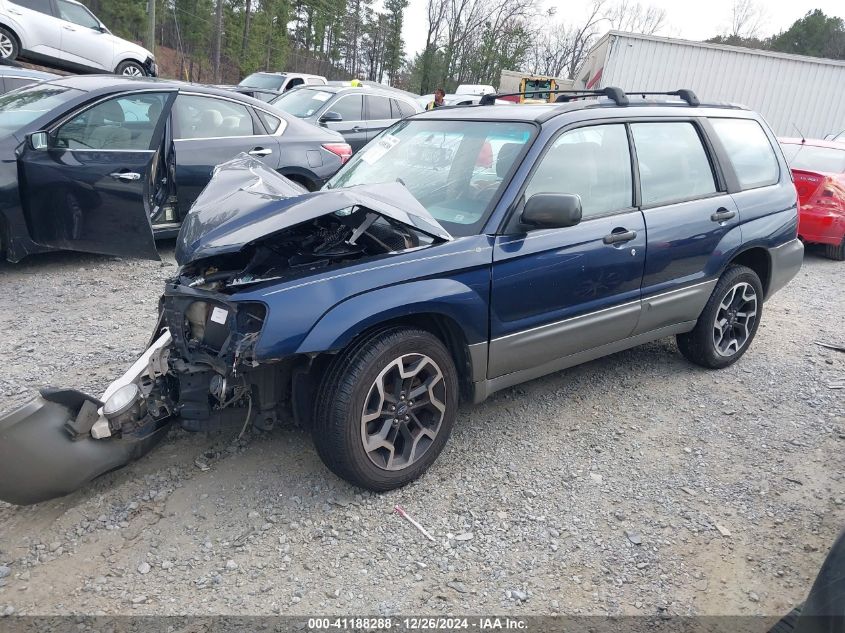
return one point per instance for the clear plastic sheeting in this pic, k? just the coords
(246, 201)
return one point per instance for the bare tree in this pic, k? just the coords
(583, 37)
(747, 18)
(635, 18)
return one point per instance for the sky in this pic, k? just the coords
(690, 19)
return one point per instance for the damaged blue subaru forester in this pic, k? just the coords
(463, 251)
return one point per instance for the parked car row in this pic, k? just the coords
(88, 161)
(359, 114)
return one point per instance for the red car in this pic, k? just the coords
(818, 168)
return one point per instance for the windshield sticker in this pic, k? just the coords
(322, 96)
(384, 145)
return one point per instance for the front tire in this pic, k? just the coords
(729, 321)
(130, 69)
(385, 408)
(9, 48)
(836, 252)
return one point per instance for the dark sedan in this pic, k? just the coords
(89, 163)
(360, 114)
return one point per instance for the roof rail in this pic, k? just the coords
(615, 94)
(684, 93)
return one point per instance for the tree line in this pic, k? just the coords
(223, 40)
(466, 41)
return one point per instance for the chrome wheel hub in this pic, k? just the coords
(132, 71)
(735, 319)
(403, 411)
(6, 46)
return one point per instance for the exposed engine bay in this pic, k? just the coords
(249, 226)
(342, 237)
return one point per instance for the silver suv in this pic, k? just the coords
(65, 34)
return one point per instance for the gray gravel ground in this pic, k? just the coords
(636, 484)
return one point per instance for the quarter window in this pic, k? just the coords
(77, 14)
(673, 163)
(378, 108)
(207, 117)
(42, 6)
(13, 83)
(270, 122)
(592, 162)
(749, 150)
(348, 107)
(127, 122)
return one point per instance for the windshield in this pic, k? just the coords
(21, 107)
(456, 169)
(303, 102)
(812, 158)
(263, 80)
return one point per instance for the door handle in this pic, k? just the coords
(260, 151)
(128, 176)
(68, 28)
(722, 214)
(15, 12)
(619, 235)
(357, 129)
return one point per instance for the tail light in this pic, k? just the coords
(807, 183)
(341, 150)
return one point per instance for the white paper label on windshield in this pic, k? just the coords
(384, 145)
(218, 315)
(322, 96)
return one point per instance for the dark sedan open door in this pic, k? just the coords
(89, 183)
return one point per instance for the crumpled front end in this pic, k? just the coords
(251, 228)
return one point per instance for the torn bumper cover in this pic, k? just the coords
(62, 439)
(40, 459)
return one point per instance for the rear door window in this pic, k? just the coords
(207, 117)
(592, 162)
(673, 162)
(348, 107)
(749, 150)
(378, 108)
(42, 6)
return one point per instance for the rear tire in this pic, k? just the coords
(9, 47)
(385, 408)
(729, 321)
(130, 69)
(836, 252)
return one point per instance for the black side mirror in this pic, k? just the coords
(39, 140)
(552, 210)
(331, 117)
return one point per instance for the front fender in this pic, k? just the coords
(464, 300)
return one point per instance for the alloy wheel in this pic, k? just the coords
(7, 46)
(132, 71)
(403, 411)
(735, 319)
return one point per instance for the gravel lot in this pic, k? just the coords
(636, 484)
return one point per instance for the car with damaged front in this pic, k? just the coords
(464, 251)
(89, 163)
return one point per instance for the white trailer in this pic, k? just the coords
(790, 91)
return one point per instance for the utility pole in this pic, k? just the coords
(151, 27)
